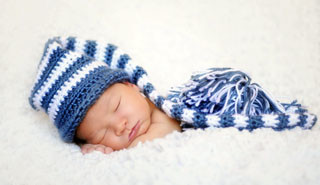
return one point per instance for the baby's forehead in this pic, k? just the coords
(123, 88)
(113, 92)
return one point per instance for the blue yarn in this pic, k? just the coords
(147, 89)
(217, 97)
(159, 101)
(109, 53)
(283, 122)
(123, 61)
(137, 74)
(71, 43)
(54, 58)
(177, 111)
(66, 91)
(226, 120)
(254, 123)
(78, 64)
(199, 120)
(90, 48)
(225, 91)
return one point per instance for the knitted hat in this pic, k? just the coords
(68, 83)
(214, 98)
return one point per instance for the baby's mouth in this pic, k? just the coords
(134, 131)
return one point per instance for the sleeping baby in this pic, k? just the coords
(120, 118)
(94, 105)
(98, 98)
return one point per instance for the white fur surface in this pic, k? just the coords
(276, 42)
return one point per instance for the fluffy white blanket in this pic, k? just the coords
(276, 42)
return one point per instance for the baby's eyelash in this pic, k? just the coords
(118, 104)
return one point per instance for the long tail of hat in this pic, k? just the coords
(224, 97)
(218, 97)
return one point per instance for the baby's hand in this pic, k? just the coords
(87, 148)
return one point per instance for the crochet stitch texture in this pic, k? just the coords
(217, 97)
(68, 83)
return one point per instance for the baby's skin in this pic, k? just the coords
(121, 118)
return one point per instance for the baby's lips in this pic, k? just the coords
(134, 131)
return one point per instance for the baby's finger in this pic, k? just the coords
(90, 149)
(108, 150)
(84, 150)
(100, 148)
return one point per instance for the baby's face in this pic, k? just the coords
(120, 115)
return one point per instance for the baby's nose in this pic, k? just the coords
(120, 127)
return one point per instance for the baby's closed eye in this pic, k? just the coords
(117, 107)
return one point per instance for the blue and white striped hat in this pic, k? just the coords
(73, 73)
(68, 83)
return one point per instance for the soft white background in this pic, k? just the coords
(275, 41)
